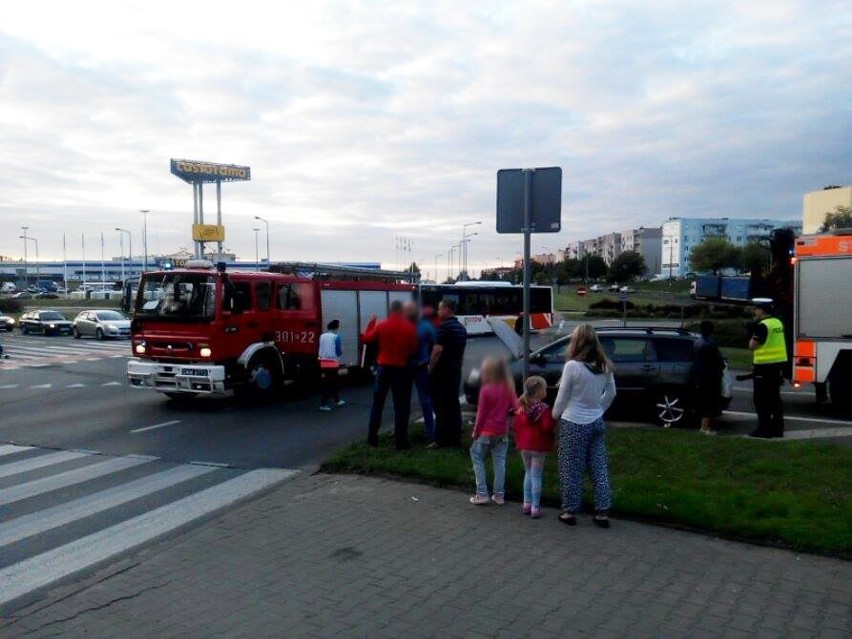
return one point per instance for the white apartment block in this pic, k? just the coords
(681, 235)
(645, 241)
(818, 203)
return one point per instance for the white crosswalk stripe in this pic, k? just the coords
(58, 523)
(37, 351)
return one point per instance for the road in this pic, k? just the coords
(90, 468)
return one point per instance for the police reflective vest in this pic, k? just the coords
(774, 349)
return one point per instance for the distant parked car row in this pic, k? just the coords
(598, 288)
(98, 323)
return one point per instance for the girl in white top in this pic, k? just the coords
(586, 390)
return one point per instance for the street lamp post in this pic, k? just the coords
(256, 253)
(26, 261)
(437, 277)
(464, 243)
(121, 240)
(144, 213)
(38, 267)
(257, 217)
(450, 252)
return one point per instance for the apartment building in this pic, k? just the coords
(819, 203)
(647, 242)
(681, 235)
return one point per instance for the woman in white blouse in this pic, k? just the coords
(586, 390)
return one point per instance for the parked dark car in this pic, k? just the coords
(652, 368)
(45, 323)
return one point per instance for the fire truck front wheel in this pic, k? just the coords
(262, 378)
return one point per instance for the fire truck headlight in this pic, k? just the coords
(140, 348)
(205, 352)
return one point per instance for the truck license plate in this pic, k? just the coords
(192, 372)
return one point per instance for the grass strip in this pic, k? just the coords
(788, 494)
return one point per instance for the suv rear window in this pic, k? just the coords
(674, 350)
(627, 349)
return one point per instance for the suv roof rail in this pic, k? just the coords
(649, 330)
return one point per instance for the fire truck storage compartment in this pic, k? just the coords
(343, 306)
(824, 298)
(353, 309)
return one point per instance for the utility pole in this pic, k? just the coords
(144, 213)
(463, 260)
(437, 277)
(26, 261)
(256, 253)
(257, 217)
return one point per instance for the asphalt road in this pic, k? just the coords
(90, 468)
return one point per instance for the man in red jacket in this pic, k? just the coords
(397, 342)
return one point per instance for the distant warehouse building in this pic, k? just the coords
(680, 235)
(819, 203)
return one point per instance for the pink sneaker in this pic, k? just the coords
(479, 500)
(498, 499)
(526, 509)
(535, 513)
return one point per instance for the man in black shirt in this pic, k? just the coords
(445, 366)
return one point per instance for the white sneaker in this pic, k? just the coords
(325, 408)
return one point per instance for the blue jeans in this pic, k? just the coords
(421, 383)
(397, 380)
(581, 447)
(499, 448)
(533, 471)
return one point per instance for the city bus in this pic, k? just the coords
(476, 301)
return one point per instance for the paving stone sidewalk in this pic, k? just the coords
(348, 556)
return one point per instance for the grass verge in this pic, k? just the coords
(790, 494)
(739, 359)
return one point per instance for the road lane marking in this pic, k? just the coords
(76, 386)
(112, 384)
(11, 449)
(741, 389)
(44, 520)
(793, 418)
(155, 426)
(42, 461)
(9, 386)
(69, 478)
(42, 570)
(39, 386)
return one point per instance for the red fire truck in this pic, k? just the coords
(204, 330)
(822, 302)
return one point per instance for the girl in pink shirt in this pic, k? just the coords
(497, 402)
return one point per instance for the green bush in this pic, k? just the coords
(10, 306)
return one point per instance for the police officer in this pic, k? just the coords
(770, 355)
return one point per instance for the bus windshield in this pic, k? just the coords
(177, 296)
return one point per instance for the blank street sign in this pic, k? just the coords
(546, 209)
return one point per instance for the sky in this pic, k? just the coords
(363, 121)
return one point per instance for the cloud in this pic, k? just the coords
(366, 120)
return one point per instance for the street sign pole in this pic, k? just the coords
(527, 268)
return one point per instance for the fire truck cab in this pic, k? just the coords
(822, 352)
(204, 330)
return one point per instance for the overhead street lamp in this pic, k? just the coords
(436, 266)
(30, 239)
(26, 262)
(257, 217)
(256, 253)
(464, 243)
(121, 240)
(450, 252)
(144, 213)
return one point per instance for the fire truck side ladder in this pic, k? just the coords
(320, 271)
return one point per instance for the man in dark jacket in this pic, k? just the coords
(707, 370)
(445, 367)
(396, 338)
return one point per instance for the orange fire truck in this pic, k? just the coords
(204, 330)
(822, 307)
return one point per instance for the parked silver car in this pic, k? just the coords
(101, 323)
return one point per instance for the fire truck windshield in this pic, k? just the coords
(177, 296)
